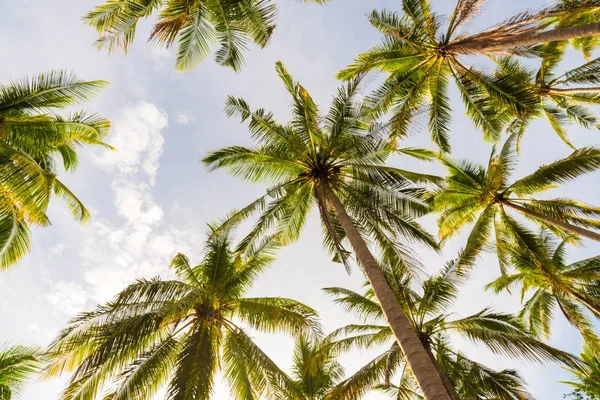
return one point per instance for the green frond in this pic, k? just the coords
(588, 374)
(576, 317)
(18, 364)
(230, 34)
(358, 337)
(365, 378)
(244, 381)
(587, 73)
(194, 39)
(250, 372)
(480, 235)
(537, 313)
(47, 91)
(355, 303)
(196, 364)
(147, 374)
(278, 315)
(479, 107)
(581, 161)
(502, 334)
(558, 119)
(15, 240)
(80, 213)
(418, 153)
(116, 21)
(439, 108)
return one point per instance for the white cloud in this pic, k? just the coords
(184, 118)
(138, 139)
(68, 297)
(160, 53)
(57, 251)
(141, 245)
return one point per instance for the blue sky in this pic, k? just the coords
(153, 198)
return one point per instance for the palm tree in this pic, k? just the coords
(335, 163)
(195, 25)
(558, 102)
(33, 141)
(572, 288)
(588, 377)
(17, 365)
(421, 58)
(180, 332)
(482, 195)
(428, 310)
(315, 372)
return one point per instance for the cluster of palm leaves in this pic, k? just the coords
(35, 142)
(176, 336)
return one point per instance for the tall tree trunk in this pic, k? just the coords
(417, 358)
(483, 46)
(553, 221)
(595, 89)
(447, 382)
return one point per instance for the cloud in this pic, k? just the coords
(160, 55)
(68, 297)
(138, 139)
(184, 118)
(57, 251)
(140, 242)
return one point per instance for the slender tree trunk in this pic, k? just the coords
(553, 221)
(595, 89)
(447, 383)
(553, 35)
(417, 358)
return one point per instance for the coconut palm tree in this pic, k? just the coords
(315, 372)
(181, 332)
(17, 365)
(587, 384)
(558, 101)
(474, 193)
(195, 25)
(335, 163)
(34, 140)
(428, 310)
(572, 288)
(421, 58)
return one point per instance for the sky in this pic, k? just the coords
(153, 198)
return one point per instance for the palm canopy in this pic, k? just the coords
(336, 162)
(541, 268)
(429, 310)
(339, 150)
(480, 195)
(17, 365)
(34, 141)
(195, 25)
(587, 376)
(421, 58)
(315, 372)
(181, 332)
(558, 101)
